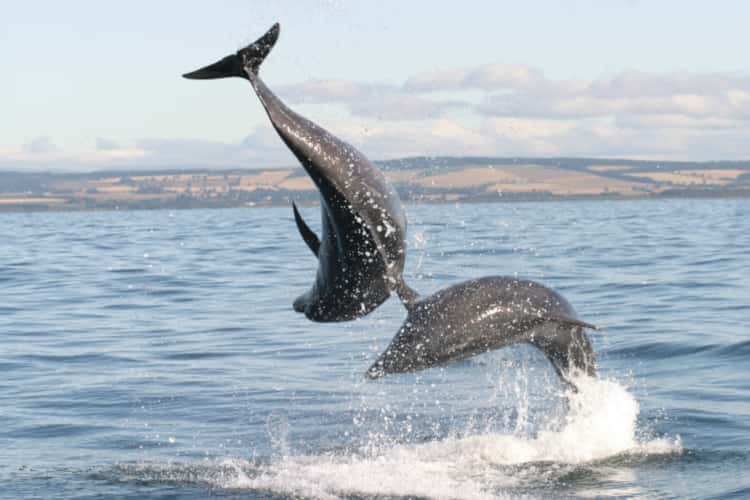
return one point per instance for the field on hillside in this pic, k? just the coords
(425, 181)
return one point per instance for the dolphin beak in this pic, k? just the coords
(225, 68)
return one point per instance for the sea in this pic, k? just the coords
(156, 354)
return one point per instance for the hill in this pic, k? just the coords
(425, 180)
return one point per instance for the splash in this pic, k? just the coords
(601, 423)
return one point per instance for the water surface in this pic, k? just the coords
(155, 354)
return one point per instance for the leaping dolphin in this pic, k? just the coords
(361, 249)
(361, 255)
(484, 314)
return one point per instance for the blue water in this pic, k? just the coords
(155, 354)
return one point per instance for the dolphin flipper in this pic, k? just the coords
(307, 234)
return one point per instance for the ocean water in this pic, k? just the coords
(155, 354)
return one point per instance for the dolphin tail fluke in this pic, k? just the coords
(245, 62)
(565, 343)
(307, 234)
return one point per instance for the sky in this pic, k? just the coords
(91, 85)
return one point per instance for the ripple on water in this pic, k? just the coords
(165, 342)
(598, 431)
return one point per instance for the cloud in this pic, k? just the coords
(709, 107)
(638, 83)
(318, 91)
(628, 94)
(383, 102)
(404, 107)
(261, 148)
(486, 77)
(103, 144)
(676, 122)
(492, 109)
(521, 91)
(437, 138)
(41, 145)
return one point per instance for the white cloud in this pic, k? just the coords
(332, 91)
(434, 138)
(261, 148)
(486, 77)
(383, 102)
(104, 144)
(676, 121)
(494, 109)
(701, 96)
(637, 83)
(41, 145)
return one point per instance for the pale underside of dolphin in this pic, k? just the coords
(361, 249)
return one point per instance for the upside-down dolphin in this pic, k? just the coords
(484, 314)
(361, 249)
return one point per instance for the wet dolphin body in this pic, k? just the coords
(361, 258)
(484, 314)
(361, 248)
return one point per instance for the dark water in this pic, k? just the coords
(156, 355)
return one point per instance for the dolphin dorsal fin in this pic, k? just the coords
(307, 234)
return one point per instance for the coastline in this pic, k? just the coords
(418, 181)
(531, 198)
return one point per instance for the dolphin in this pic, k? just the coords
(484, 314)
(361, 249)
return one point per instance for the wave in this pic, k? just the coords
(601, 425)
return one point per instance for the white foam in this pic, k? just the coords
(399, 473)
(601, 422)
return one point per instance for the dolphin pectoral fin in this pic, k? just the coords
(245, 61)
(307, 234)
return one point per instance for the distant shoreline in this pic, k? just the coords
(418, 180)
(20, 209)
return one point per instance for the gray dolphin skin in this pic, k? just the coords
(361, 253)
(484, 314)
(361, 249)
